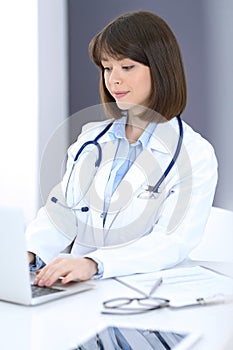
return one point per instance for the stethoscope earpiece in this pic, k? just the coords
(56, 201)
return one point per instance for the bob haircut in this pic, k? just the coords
(146, 38)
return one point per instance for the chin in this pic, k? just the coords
(126, 105)
(123, 105)
(134, 108)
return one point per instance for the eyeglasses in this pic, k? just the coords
(130, 306)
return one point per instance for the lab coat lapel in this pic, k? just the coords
(92, 229)
(141, 171)
(144, 171)
(98, 186)
(165, 137)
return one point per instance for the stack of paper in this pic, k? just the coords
(183, 285)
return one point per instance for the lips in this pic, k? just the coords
(120, 94)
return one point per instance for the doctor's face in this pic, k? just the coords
(128, 81)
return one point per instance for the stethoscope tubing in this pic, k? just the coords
(95, 143)
(176, 154)
(151, 189)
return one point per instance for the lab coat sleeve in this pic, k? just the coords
(44, 238)
(164, 248)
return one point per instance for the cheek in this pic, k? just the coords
(105, 79)
(143, 87)
(146, 86)
(106, 83)
(148, 90)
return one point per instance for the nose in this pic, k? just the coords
(115, 76)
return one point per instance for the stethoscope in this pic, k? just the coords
(149, 192)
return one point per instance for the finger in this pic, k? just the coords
(61, 269)
(41, 279)
(77, 274)
(50, 274)
(68, 278)
(50, 278)
(41, 273)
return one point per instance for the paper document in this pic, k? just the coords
(182, 285)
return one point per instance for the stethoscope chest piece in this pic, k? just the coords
(148, 192)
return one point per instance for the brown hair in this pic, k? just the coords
(146, 38)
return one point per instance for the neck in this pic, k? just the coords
(134, 128)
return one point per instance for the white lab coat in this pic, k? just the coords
(140, 235)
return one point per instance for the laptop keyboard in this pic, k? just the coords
(38, 291)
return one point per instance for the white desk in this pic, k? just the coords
(62, 324)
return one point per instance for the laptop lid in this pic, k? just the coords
(15, 284)
(14, 270)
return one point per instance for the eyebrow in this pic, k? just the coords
(105, 59)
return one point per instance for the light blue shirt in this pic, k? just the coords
(126, 153)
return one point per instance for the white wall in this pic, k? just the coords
(33, 94)
(53, 92)
(19, 105)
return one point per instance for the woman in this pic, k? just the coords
(141, 193)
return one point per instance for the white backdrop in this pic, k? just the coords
(33, 94)
(19, 105)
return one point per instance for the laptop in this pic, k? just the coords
(16, 279)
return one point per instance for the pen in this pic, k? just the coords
(155, 286)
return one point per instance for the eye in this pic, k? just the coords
(107, 69)
(128, 67)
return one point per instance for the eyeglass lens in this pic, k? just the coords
(143, 303)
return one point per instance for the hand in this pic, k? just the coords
(69, 268)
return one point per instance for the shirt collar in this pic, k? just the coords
(117, 131)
